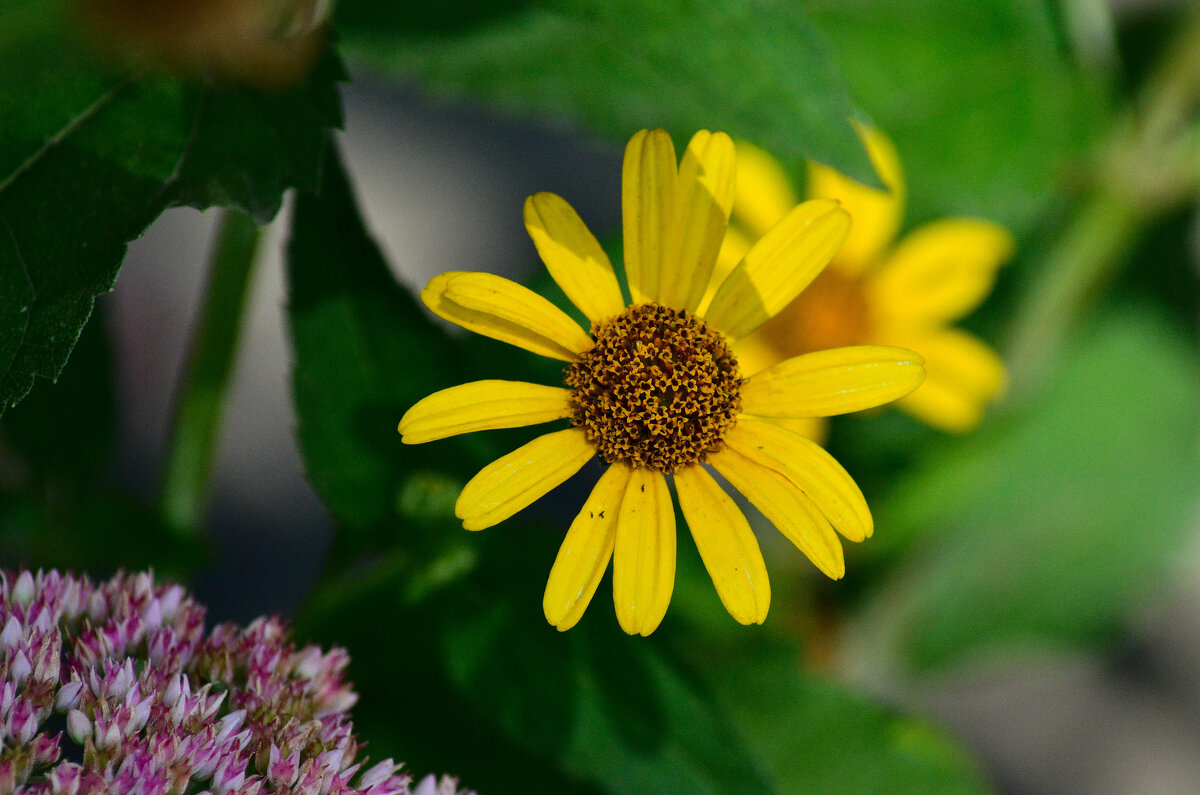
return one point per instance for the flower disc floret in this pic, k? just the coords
(659, 389)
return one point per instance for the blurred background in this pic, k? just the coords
(1033, 588)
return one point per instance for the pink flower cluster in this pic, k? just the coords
(115, 688)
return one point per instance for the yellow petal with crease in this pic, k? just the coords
(644, 554)
(939, 272)
(781, 264)
(726, 543)
(482, 406)
(786, 507)
(488, 325)
(809, 468)
(585, 551)
(705, 191)
(875, 213)
(647, 209)
(573, 257)
(836, 381)
(503, 299)
(520, 478)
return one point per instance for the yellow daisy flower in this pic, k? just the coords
(656, 390)
(874, 292)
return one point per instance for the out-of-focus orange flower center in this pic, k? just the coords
(830, 313)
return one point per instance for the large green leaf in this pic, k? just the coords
(595, 710)
(1048, 525)
(91, 154)
(364, 352)
(813, 735)
(986, 110)
(756, 70)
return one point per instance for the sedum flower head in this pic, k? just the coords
(115, 688)
(656, 389)
(877, 290)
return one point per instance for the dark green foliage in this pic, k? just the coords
(755, 70)
(90, 154)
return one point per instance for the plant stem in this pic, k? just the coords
(183, 497)
(1150, 165)
(1085, 256)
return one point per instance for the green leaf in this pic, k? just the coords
(812, 735)
(365, 351)
(68, 432)
(985, 108)
(819, 737)
(1049, 524)
(90, 155)
(756, 70)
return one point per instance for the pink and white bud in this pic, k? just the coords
(79, 728)
(282, 771)
(45, 749)
(68, 696)
(379, 773)
(65, 779)
(11, 634)
(20, 668)
(23, 590)
(229, 724)
(23, 723)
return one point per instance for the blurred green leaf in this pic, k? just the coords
(756, 70)
(985, 108)
(1048, 525)
(68, 526)
(67, 431)
(365, 351)
(817, 736)
(90, 155)
(593, 709)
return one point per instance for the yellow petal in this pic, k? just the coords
(964, 376)
(573, 257)
(786, 507)
(814, 428)
(488, 324)
(482, 406)
(735, 246)
(585, 551)
(504, 304)
(809, 468)
(836, 381)
(764, 192)
(517, 480)
(726, 543)
(705, 197)
(939, 272)
(778, 267)
(644, 555)
(647, 209)
(755, 354)
(875, 213)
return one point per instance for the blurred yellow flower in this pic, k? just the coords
(877, 293)
(656, 390)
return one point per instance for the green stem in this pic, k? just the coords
(183, 497)
(1151, 165)
(1085, 257)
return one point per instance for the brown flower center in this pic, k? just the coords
(659, 389)
(831, 312)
